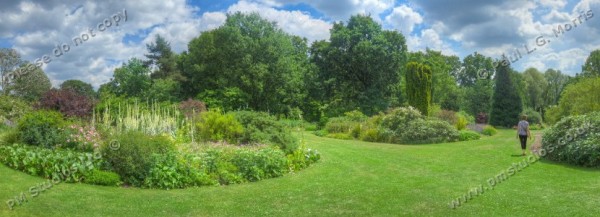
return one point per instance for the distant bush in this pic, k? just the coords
(429, 131)
(574, 140)
(447, 115)
(42, 128)
(260, 127)
(130, 154)
(461, 123)
(216, 126)
(192, 107)
(533, 117)
(12, 109)
(9, 136)
(482, 118)
(466, 135)
(100, 177)
(489, 130)
(68, 102)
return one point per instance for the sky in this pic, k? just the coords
(544, 34)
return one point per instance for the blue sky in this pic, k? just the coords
(461, 27)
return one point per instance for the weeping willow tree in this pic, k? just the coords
(418, 86)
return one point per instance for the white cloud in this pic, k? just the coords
(404, 19)
(293, 22)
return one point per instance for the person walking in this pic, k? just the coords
(523, 132)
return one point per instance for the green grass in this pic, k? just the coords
(353, 178)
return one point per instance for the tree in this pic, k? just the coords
(444, 88)
(131, 80)
(352, 68)
(68, 102)
(506, 102)
(535, 85)
(591, 68)
(162, 57)
(556, 83)
(9, 61)
(577, 99)
(475, 67)
(79, 87)
(30, 85)
(247, 63)
(418, 86)
(475, 79)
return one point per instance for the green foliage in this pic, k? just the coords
(168, 172)
(461, 123)
(349, 71)
(12, 108)
(151, 119)
(79, 87)
(428, 131)
(577, 99)
(533, 117)
(591, 67)
(489, 130)
(247, 63)
(446, 115)
(31, 85)
(302, 158)
(130, 154)
(63, 165)
(42, 128)
(100, 177)
(574, 140)
(260, 127)
(131, 79)
(418, 86)
(9, 135)
(507, 104)
(344, 136)
(466, 135)
(216, 126)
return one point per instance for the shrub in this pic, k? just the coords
(448, 116)
(371, 135)
(167, 173)
(42, 128)
(130, 154)
(461, 123)
(68, 102)
(343, 136)
(216, 126)
(191, 107)
(100, 177)
(260, 127)
(302, 158)
(12, 109)
(9, 136)
(260, 164)
(533, 116)
(83, 138)
(466, 135)
(340, 125)
(399, 118)
(482, 118)
(489, 130)
(574, 140)
(428, 131)
(58, 164)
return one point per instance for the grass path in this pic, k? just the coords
(353, 179)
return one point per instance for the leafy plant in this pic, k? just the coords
(130, 154)
(489, 130)
(216, 126)
(466, 135)
(42, 128)
(260, 127)
(100, 177)
(63, 165)
(574, 140)
(68, 102)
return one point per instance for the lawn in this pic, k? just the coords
(353, 178)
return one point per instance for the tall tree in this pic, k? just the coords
(131, 80)
(444, 87)
(31, 85)
(591, 68)
(535, 85)
(418, 86)
(506, 104)
(79, 87)
(475, 67)
(10, 60)
(353, 67)
(247, 63)
(556, 83)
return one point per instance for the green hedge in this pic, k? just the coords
(574, 140)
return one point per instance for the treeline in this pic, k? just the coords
(251, 64)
